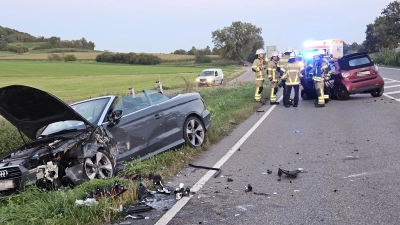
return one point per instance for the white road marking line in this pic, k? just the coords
(391, 81)
(387, 78)
(168, 216)
(396, 99)
(393, 92)
(392, 86)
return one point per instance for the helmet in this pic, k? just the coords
(292, 55)
(275, 53)
(321, 52)
(289, 50)
(260, 51)
(316, 53)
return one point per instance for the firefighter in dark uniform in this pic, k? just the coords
(292, 76)
(320, 68)
(259, 70)
(273, 76)
(282, 62)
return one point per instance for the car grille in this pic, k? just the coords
(203, 80)
(14, 174)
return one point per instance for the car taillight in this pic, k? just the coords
(345, 74)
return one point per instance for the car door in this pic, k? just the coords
(135, 130)
(217, 77)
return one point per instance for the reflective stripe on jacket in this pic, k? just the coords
(272, 72)
(257, 66)
(293, 73)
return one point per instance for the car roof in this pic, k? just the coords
(212, 69)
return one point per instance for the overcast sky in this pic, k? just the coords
(160, 26)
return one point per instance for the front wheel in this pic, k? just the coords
(341, 93)
(221, 81)
(98, 166)
(377, 92)
(193, 132)
(304, 95)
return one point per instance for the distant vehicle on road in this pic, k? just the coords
(210, 77)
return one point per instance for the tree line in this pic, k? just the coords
(383, 33)
(9, 36)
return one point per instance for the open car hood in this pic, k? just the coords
(30, 109)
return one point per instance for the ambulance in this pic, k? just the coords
(333, 48)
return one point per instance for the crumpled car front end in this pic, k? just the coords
(56, 162)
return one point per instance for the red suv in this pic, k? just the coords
(353, 74)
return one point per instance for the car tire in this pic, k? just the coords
(99, 166)
(377, 92)
(194, 131)
(341, 93)
(304, 95)
(222, 80)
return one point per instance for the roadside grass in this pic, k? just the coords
(58, 207)
(81, 80)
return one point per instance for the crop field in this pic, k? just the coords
(75, 81)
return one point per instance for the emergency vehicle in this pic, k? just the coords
(333, 48)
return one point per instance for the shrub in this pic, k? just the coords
(54, 57)
(69, 58)
(128, 58)
(202, 59)
(17, 48)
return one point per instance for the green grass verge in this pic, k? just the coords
(58, 207)
(75, 81)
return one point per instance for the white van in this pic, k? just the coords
(210, 77)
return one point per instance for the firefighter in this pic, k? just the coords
(292, 76)
(326, 75)
(320, 67)
(259, 69)
(273, 76)
(281, 64)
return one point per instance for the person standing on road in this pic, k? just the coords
(320, 67)
(282, 62)
(273, 76)
(292, 76)
(326, 75)
(259, 70)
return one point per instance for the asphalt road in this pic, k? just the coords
(349, 149)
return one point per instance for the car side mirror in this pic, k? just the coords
(115, 117)
(198, 75)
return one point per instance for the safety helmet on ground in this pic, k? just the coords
(260, 51)
(292, 55)
(275, 53)
(289, 50)
(321, 52)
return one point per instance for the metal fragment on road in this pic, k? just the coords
(296, 131)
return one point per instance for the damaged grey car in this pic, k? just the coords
(93, 138)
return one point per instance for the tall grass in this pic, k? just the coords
(387, 57)
(58, 207)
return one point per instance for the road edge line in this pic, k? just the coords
(169, 215)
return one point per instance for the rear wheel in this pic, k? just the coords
(377, 92)
(193, 132)
(221, 81)
(304, 95)
(341, 92)
(99, 166)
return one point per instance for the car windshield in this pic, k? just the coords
(90, 110)
(206, 73)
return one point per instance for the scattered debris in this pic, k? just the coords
(141, 207)
(208, 168)
(275, 193)
(260, 111)
(258, 193)
(108, 192)
(88, 202)
(296, 190)
(158, 181)
(248, 188)
(232, 122)
(269, 171)
(181, 191)
(239, 149)
(296, 131)
(229, 180)
(136, 217)
(292, 173)
(298, 153)
(335, 190)
(142, 191)
(237, 214)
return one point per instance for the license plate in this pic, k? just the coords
(6, 184)
(365, 73)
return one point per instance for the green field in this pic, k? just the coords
(80, 80)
